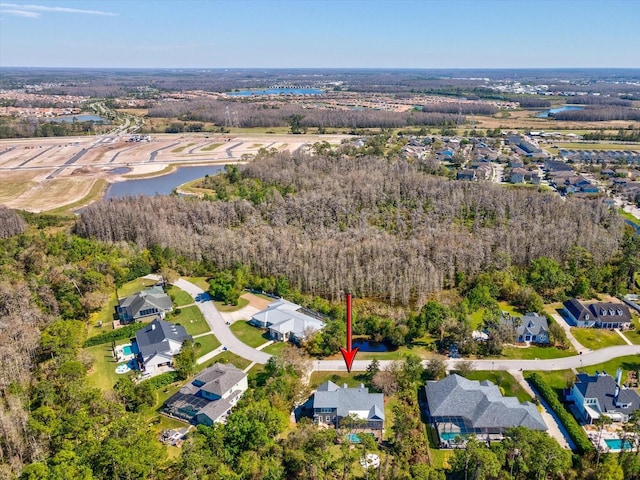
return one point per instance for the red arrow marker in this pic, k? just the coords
(349, 354)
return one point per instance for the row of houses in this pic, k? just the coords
(597, 314)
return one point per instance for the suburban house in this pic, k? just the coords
(151, 302)
(287, 321)
(460, 407)
(532, 328)
(466, 174)
(158, 342)
(601, 394)
(332, 404)
(208, 398)
(599, 314)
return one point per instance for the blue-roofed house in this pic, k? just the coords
(332, 404)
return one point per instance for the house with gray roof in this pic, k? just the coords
(288, 321)
(460, 407)
(209, 397)
(158, 342)
(598, 315)
(151, 302)
(601, 394)
(532, 328)
(334, 405)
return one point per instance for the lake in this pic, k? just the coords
(277, 91)
(368, 346)
(81, 118)
(162, 185)
(553, 111)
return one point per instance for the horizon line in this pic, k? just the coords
(320, 68)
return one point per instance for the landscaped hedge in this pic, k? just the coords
(163, 380)
(574, 430)
(127, 331)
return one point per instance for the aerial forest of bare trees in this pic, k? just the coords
(10, 223)
(367, 225)
(251, 114)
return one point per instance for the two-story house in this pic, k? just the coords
(601, 394)
(599, 314)
(209, 397)
(334, 405)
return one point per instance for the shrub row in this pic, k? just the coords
(127, 331)
(574, 430)
(163, 380)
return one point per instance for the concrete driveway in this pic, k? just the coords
(567, 329)
(217, 324)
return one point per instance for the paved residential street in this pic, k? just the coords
(218, 326)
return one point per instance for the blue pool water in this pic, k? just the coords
(353, 438)
(616, 444)
(127, 350)
(446, 436)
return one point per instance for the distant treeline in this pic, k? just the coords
(531, 102)
(32, 127)
(477, 108)
(597, 114)
(600, 100)
(629, 135)
(367, 225)
(259, 115)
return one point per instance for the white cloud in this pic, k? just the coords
(20, 13)
(32, 10)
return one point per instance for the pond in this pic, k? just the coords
(369, 346)
(553, 111)
(162, 185)
(634, 225)
(81, 118)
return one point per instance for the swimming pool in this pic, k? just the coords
(122, 368)
(127, 350)
(616, 444)
(446, 436)
(353, 438)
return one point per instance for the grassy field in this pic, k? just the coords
(275, 348)
(229, 357)
(505, 381)
(596, 338)
(596, 146)
(208, 343)
(191, 319)
(107, 312)
(199, 281)
(252, 336)
(96, 191)
(103, 373)
(213, 146)
(628, 363)
(353, 379)
(183, 148)
(534, 352)
(181, 298)
(628, 216)
(242, 302)
(634, 335)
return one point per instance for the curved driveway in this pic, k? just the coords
(218, 326)
(222, 331)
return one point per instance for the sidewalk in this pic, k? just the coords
(622, 335)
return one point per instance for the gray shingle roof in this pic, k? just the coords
(481, 403)
(153, 297)
(345, 400)
(579, 311)
(603, 387)
(154, 337)
(219, 378)
(611, 312)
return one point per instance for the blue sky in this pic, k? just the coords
(320, 33)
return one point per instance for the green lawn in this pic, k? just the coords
(475, 319)
(183, 148)
(596, 338)
(199, 281)
(229, 357)
(103, 374)
(633, 335)
(252, 336)
(630, 362)
(180, 297)
(191, 319)
(213, 146)
(208, 343)
(510, 309)
(353, 379)
(107, 312)
(532, 352)
(242, 302)
(439, 458)
(275, 348)
(505, 381)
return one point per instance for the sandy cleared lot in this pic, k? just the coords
(46, 173)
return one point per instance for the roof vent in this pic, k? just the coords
(153, 326)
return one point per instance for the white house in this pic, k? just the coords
(287, 321)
